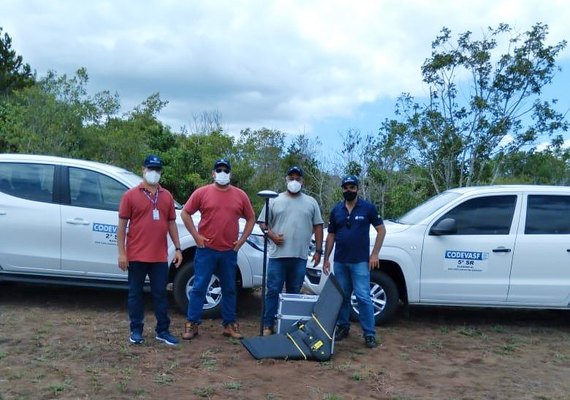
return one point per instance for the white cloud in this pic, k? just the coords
(286, 65)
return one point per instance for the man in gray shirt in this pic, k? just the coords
(293, 217)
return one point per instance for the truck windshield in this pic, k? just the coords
(424, 210)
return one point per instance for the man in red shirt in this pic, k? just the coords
(148, 209)
(221, 205)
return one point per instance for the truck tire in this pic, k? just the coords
(182, 285)
(385, 298)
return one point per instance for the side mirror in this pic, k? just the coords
(446, 226)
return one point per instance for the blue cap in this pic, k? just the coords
(295, 170)
(224, 162)
(349, 180)
(152, 161)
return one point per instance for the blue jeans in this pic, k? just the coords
(356, 277)
(289, 271)
(158, 276)
(224, 265)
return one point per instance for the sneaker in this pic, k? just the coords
(267, 331)
(341, 333)
(370, 342)
(167, 338)
(232, 330)
(190, 331)
(136, 338)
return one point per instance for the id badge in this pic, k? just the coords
(155, 215)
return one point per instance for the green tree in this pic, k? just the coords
(49, 117)
(483, 105)
(14, 73)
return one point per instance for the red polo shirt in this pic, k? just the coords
(147, 237)
(220, 211)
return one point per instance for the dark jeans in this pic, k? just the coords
(158, 276)
(289, 271)
(224, 264)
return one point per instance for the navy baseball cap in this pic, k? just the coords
(349, 180)
(224, 162)
(295, 170)
(153, 161)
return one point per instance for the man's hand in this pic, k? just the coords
(327, 267)
(238, 244)
(123, 262)
(316, 258)
(276, 238)
(201, 241)
(374, 262)
(177, 258)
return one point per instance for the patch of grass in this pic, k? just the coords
(327, 364)
(344, 366)
(206, 392)
(404, 356)
(3, 354)
(59, 387)
(332, 396)
(469, 331)
(513, 343)
(122, 386)
(232, 385)
(96, 383)
(208, 360)
(435, 344)
(164, 378)
(356, 376)
(560, 357)
(499, 329)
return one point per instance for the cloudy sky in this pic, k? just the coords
(314, 67)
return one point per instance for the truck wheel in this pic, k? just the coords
(182, 286)
(385, 298)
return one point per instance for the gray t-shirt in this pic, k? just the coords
(294, 218)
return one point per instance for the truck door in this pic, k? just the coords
(471, 261)
(541, 263)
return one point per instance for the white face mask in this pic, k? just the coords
(293, 186)
(152, 177)
(222, 178)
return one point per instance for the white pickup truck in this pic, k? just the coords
(492, 246)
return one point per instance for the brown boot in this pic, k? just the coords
(232, 330)
(190, 331)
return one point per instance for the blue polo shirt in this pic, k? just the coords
(352, 231)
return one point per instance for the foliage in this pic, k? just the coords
(463, 142)
(14, 73)
(480, 125)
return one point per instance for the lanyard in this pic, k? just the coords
(153, 199)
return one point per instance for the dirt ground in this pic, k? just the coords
(71, 343)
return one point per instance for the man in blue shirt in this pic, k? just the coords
(349, 231)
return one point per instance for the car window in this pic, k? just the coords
(94, 190)
(424, 210)
(547, 214)
(27, 181)
(490, 215)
